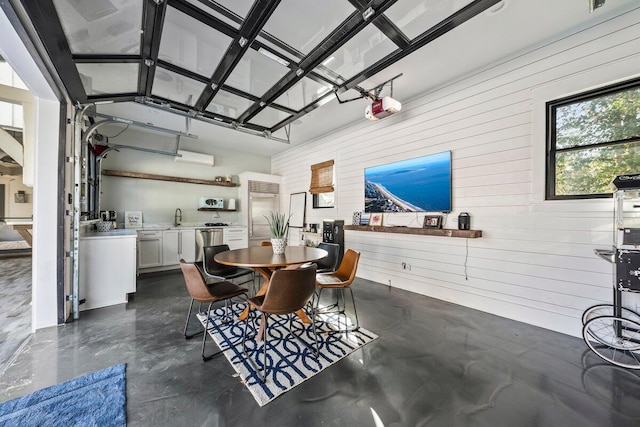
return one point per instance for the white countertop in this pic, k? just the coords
(118, 233)
(183, 226)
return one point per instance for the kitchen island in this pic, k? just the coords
(107, 267)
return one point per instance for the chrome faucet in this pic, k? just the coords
(178, 217)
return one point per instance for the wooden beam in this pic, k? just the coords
(138, 175)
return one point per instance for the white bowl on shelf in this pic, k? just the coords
(103, 225)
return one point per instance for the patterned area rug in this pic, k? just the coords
(289, 361)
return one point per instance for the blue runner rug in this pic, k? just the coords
(96, 399)
(290, 362)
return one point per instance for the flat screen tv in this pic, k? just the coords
(422, 184)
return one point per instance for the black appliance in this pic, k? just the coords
(464, 221)
(333, 232)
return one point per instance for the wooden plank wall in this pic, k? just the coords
(535, 261)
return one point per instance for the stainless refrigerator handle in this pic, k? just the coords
(250, 218)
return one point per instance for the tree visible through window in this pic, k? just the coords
(592, 138)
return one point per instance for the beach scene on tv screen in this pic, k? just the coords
(422, 184)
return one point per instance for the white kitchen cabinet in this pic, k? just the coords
(188, 245)
(177, 245)
(235, 237)
(149, 248)
(107, 264)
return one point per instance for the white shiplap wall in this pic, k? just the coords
(535, 261)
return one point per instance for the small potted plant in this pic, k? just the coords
(279, 225)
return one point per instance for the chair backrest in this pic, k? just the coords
(289, 290)
(265, 243)
(209, 263)
(195, 283)
(348, 267)
(331, 261)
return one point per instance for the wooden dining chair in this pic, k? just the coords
(208, 294)
(289, 290)
(340, 279)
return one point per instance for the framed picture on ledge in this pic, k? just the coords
(432, 221)
(376, 219)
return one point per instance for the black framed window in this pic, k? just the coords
(323, 200)
(321, 186)
(591, 138)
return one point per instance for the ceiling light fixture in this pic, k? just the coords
(594, 4)
(368, 13)
(273, 56)
(498, 7)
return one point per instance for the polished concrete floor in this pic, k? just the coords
(15, 305)
(435, 364)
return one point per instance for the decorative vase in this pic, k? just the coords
(278, 245)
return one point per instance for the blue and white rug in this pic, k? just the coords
(289, 361)
(96, 399)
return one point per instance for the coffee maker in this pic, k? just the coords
(111, 216)
(333, 232)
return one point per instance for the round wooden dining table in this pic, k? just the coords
(265, 262)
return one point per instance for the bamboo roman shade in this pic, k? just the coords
(322, 177)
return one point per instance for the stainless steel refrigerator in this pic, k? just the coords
(260, 206)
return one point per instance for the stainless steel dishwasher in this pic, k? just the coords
(207, 237)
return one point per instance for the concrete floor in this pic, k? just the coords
(15, 305)
(435, 364)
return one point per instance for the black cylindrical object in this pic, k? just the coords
(464, 221)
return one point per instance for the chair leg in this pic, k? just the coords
(262, 374)
(337, 309)
(186, 325)
(314, 348)
(355, 312)
(206, 332)
(265, 346)
(215, 325)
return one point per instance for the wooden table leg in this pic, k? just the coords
(303, 316)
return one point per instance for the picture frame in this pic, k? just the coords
(297, 209)
(133, 219)
(364, 218)
(376, 219)
(432, 221)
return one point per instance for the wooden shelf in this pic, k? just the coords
(446, 232)
(125, 174)
(215, 210)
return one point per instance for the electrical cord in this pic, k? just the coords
(119, 133)
(466, 257)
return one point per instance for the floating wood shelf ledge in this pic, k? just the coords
(139, 175)
(215, 210)
(446, 232)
